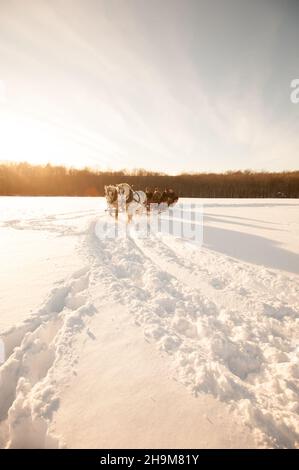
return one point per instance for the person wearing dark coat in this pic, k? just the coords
(149, 195)
(149, 198)
(157, 196)
(164, 196)
(172, 197)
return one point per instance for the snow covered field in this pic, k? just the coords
(149, 342)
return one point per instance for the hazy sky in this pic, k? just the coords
(170, 85)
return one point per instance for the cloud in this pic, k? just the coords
(171, 86)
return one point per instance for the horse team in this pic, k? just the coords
(135, 202)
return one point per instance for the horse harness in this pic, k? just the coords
(114, 198)
(133, 196)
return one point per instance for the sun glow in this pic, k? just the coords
(23, 138)
(40, 141)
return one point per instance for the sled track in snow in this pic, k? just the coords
(34, 349)
(225, 339)
(228, 326)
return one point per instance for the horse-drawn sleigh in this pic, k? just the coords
(123, 197)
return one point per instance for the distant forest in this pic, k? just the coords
(24, 179)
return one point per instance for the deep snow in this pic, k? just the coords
(149, 341)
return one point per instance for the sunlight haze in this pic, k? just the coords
(165, 85)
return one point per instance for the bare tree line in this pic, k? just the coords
(46, 180)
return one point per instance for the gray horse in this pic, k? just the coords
(111, 194)
(135, 201)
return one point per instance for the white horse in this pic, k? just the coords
(134, 201)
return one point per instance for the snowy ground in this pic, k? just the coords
(149, 342)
